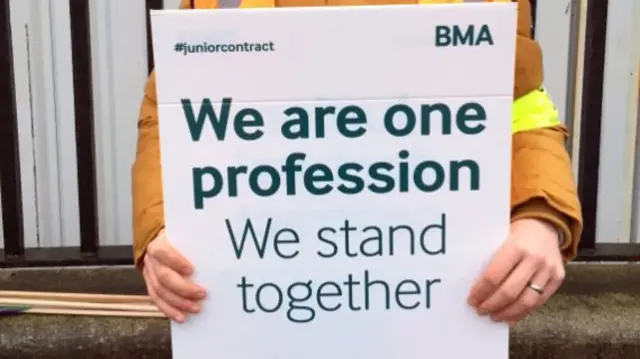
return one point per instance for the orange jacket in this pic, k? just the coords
(542, 181)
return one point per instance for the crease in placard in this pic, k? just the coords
(322, 102)
(336, 100)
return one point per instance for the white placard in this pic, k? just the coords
(338, 176)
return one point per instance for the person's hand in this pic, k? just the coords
(522, 275)
(166, 274)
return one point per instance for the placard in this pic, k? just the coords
(339, 176)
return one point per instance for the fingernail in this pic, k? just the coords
(195, 308)
(179, 318)
(187, 271)
(201, 294)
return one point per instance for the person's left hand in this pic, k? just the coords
(522, 275)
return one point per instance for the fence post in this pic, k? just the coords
(10, 182)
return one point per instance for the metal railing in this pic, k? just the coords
(591, 70)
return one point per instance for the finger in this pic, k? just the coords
(528, 299)
(177, 302)
(162, 251)
(168, 310)
(552, 287)
(496, 272)
(182, 304)
(173, 282)
(511, 288)
(557, 278)
(147, 279)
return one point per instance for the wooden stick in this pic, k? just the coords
(79, 305)
(95, 313)
(78, 297)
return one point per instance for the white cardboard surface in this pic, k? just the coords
(372, 58)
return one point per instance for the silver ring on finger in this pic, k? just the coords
(536, 288)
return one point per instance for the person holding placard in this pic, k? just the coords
(546, 221)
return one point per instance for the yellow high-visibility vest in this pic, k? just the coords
(531, 111)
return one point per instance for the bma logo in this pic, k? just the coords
(458, 36)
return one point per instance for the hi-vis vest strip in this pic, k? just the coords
(532, 111)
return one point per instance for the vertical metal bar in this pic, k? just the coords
(534, 17)
(635, 224)
(24, 17)
(66, 207)
(119, 57)
(576, 83)
(618, 140)
(84, 120)
(635, 229)
(572, 66)
(589, 158)
(629, 101)
(10, 183)
(151, 5)
(553, 32)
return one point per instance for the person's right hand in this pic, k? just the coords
(166, 273)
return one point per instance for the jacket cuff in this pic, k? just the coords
(538, 208)
(149, 229)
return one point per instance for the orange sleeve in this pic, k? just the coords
(146, 174)
(543, 186)
(542, 183)
(148, 212)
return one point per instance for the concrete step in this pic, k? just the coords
(595, 315)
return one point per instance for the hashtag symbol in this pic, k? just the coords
(179, 47)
